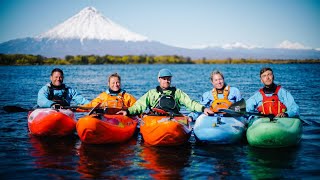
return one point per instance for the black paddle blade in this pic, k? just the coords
(232, 112)
(15, 109)
(238, 106)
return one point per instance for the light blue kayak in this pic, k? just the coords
(219, 129)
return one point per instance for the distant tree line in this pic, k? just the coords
(26, 59)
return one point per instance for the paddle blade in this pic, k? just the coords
(238, 106)
(232, 112)
(15, 109)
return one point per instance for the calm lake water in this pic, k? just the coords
(24, 157)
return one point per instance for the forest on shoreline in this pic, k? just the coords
(26, 59)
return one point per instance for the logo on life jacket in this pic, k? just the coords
(271, 104)
(167, 102)
(220, 103)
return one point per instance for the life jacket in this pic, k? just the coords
(167, 102)
(223, 103)
(62, 100)
(271, 104)
(114, 101)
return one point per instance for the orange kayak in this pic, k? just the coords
(51, 122)
(102, 129)
(165, 131)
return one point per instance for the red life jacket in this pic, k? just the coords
(272, 104)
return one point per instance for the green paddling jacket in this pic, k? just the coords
(150, 100)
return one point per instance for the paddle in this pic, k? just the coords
(94, 109)
(235, 107)
(165, 113)
(13, 109)
(242, 113)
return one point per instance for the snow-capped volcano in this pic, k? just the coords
(90, 33)
(90, 24)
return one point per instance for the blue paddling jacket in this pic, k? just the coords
(284, 96)
(47, 96)
(207, 99)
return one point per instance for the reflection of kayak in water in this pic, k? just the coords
(95, 161)
(50, 122)
(164, 130)
(218, 130)
(102, 129)
(53, 152)
(165, 162)
(279, 132)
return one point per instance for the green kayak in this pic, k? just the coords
(279, 132)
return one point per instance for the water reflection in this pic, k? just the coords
(271, 163)
(53, 152)
(106, 161)
(218, 161)
(166, 162)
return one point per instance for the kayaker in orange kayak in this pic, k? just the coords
(56, 94)
(165, 97)
(114, 97)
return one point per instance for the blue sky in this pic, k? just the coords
(184, 23)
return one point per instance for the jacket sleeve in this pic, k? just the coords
(43, 100)
(205, 101)
(129, 100)
(141, 104)
(253, 102)
(185, 100)
(234, 95)
(95, 101)
(287, 99)
(77, 97)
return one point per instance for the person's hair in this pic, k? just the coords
(57, 70)
(214, 73)
(265, 69)
(114, 75)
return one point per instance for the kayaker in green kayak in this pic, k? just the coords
(56, 94)
(272, 99)
(221, 96)
(165, 97)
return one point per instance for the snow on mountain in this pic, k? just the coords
(90, 33)
(291, 45)
(238, 45)
(90, 24)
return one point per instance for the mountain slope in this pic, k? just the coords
(90, 33)
(90, 24)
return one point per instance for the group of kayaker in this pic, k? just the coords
(271, 99)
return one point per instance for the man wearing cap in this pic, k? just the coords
(163, 94)
(272, 98)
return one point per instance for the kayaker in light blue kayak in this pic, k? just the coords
(56, 94)
(165, 97)
(221, 96)
(272, 98)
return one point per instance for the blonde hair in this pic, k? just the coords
(216, 72)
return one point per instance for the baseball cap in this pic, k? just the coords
(164, 73)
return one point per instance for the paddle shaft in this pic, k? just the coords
(13, 109)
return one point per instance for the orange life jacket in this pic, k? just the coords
(220, 103)
(272, 104)
(111, 101)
